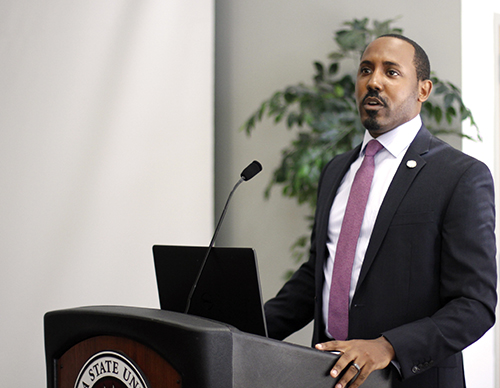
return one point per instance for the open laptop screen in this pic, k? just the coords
(228, 290)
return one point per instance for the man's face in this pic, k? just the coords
(388, 93)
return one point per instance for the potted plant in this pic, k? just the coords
(324, 115)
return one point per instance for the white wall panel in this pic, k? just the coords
(106, 148)
(480, 88)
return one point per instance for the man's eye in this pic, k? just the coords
(393, 73)
(364, 70)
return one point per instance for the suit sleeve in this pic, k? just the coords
(293, 306)
(467, 279)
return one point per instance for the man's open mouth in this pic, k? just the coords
(373, 102)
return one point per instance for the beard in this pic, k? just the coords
(371, 122)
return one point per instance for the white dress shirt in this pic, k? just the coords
(387, 161)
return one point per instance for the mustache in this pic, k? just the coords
(374, 94)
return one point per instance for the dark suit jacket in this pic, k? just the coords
(428, 280)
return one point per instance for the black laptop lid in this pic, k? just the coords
(228, 290)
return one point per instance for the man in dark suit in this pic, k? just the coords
(423, 278)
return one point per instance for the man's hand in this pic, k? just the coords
(368, 355)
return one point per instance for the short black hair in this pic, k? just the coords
(420, 59)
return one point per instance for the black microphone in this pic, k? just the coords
(248, 173)
(252, 169)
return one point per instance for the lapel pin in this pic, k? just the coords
(411, 164)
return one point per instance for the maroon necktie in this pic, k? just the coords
(338, 309)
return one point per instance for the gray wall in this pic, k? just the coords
(264, 45)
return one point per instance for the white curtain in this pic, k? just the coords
(106, 148)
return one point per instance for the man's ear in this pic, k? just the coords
(424, 90)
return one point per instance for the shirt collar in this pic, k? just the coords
(398, 139)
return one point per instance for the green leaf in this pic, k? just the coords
(438, 114)
(450, 114)
(292, 119)
(261, 111)
(339, 90)
(320, 70)
(354, 40)
(382, 28)
(333, 69)
(337, 56)
(290, 95)
(440, 88)
(428, 109)
(448, 100)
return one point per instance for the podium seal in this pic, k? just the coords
(110, 369)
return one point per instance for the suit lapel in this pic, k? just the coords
(409, 168)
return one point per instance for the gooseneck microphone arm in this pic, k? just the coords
(248, 173)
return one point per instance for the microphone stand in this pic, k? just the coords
(210, 246)
(248, 173)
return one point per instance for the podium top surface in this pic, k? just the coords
(141, 313)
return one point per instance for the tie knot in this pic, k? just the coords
(373, 147)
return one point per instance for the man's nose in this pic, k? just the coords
(375, 81)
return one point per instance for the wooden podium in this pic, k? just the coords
(111, 346)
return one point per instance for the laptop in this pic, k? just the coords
(228, 290)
